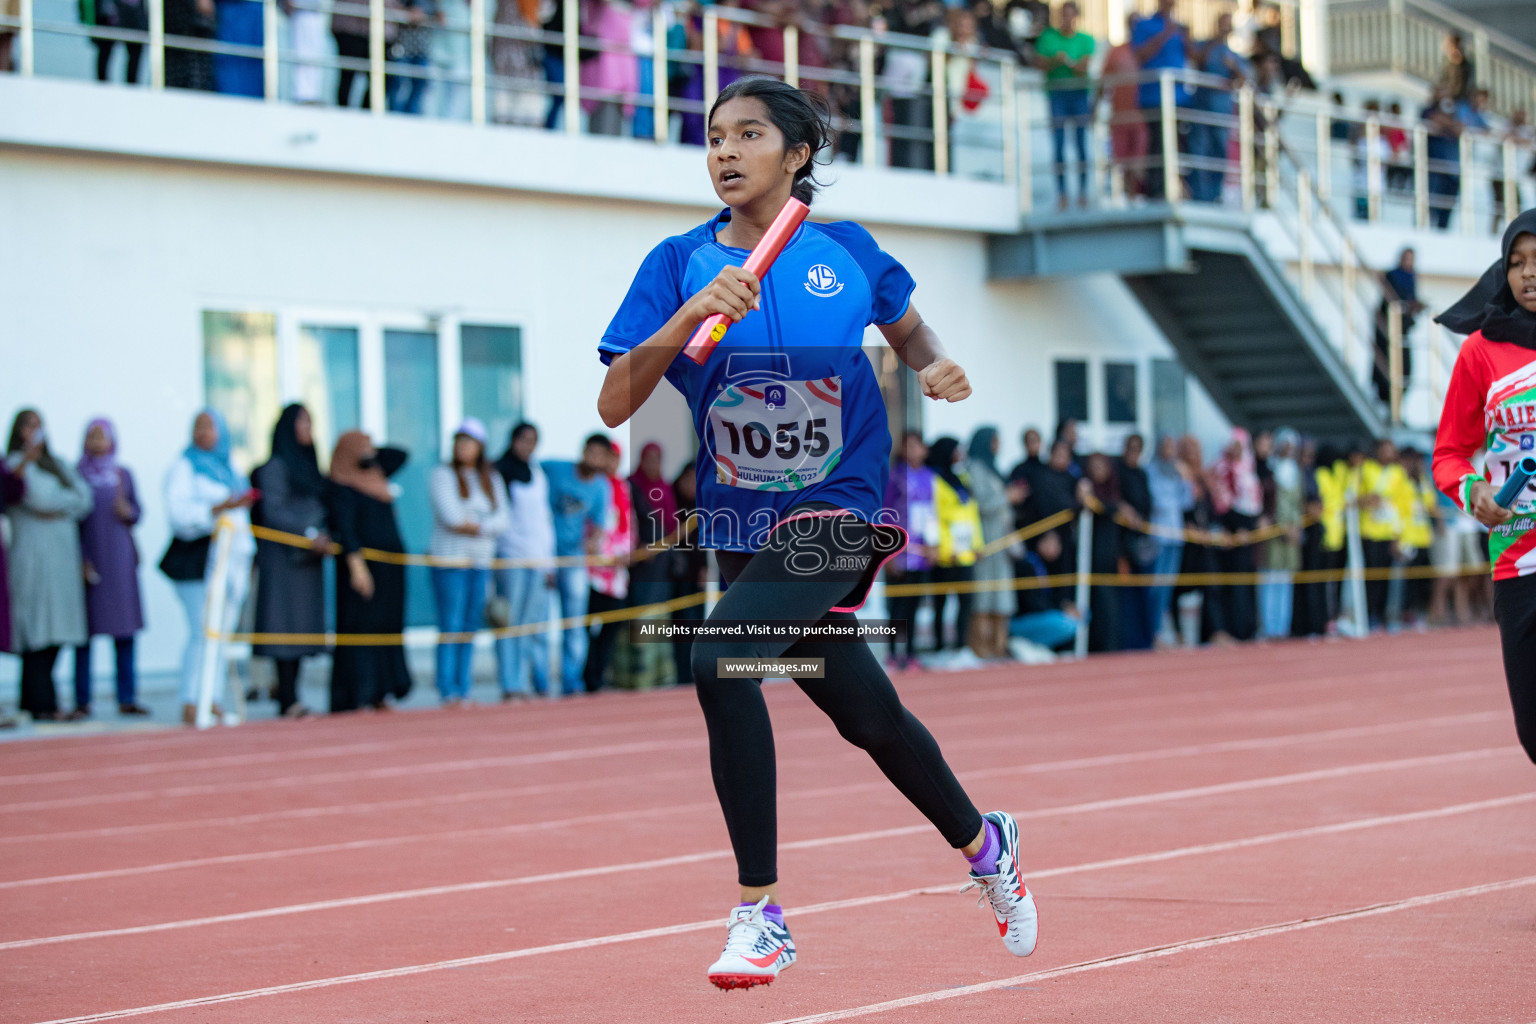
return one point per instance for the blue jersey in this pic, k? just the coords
(787, 408)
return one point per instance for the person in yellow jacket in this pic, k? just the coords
(1338, 480)
(1414, 496)
(958, 522)
(1381, 525)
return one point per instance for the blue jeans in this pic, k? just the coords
(520, 657)
(573, 589)
(554, 74)
(1070, 109)
(1208, 142)
(1050, 630)
(127, 681)
(405, 91)
(1275, 604)
(1170, 556)
(460, 609)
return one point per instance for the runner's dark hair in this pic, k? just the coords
(803, 118)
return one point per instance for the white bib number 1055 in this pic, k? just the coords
(777, 435)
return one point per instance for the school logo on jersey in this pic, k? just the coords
(1528, 442)
(822, 281)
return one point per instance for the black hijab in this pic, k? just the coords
(1490, 306)
(941, 459)
(513, 469)
(298, 459)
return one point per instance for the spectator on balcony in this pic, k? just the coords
(1398, 285)
(412, 47)
(516, 59)
(307, 27)
(1457, 69)
(113, 606)
(1208, 139)
(991, 25)
(1400, 167)
(1025, 20)
(1127, 124)
(239, 23)
(351, 34)
(974, 131)
(1517, 133)
(449, 59)
(1444, 156)
(1161, 44)
(190, 69)
(120, 14)
(1360, 165)
(612, 71)
(1341, 129)
(1244, 39)
(1064, 54)
(906, 74)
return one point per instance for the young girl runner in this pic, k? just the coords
(1491, 403)
(791, 472)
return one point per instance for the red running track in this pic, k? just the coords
(1332, 832)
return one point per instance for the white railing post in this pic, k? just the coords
(792, 55)
(1304, 230)
(1468, 168)
(711, 57)
(570, 56)
(376, 56)
(1314, 32)
(1010, 121)
(940, 77)
(1510, 205)
(1324, 153)
(1420, 177)
(1351, 262)
(26, 41)
(477, 88)
(214, 613)
(1271, 154)
(156, 12)
(1026, 158)
(1170, 136)
(869, 116)
(1354, 587)
(1084, 563)
(1372, 170)
(659, 97)
(1396, 28)
(269, 65)
(1245, 146)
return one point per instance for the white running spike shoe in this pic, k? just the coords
(756, 949)
(1013, 905)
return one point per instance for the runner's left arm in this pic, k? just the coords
(918, 345)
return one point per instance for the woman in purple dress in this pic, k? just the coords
(111, 562)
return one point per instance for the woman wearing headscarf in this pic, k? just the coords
(522, 661)
(370, 596)
(47, 586)
(1101, 482)
(1282, 553)
(959, 537)
(202, 488)
(469, 512)
(1309, 608)
(290, 582)
(991, 609)
(113, 606)
(655, 511)
(1202, 520)
(1488, 403)
(1168, 481)
(610, 581)
(909, 505)
(1239, 500)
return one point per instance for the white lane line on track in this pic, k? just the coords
(493, 831)
(1155, 952)
(1095, 707)
(1096, 761)
(860, 901)
(1187, 793)
(1222, 846)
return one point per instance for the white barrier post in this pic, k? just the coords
(214, 611)
(1084, 563)
(26, 39)
(270, 69)
(477, 91)
(376, 56)
(1355, 571)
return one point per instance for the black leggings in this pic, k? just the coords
(1514, 608)
(855, 694)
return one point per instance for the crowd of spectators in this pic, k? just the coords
(520, 542)
(511, 541)
(1266, 508)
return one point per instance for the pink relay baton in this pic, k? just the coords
(767, 250)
